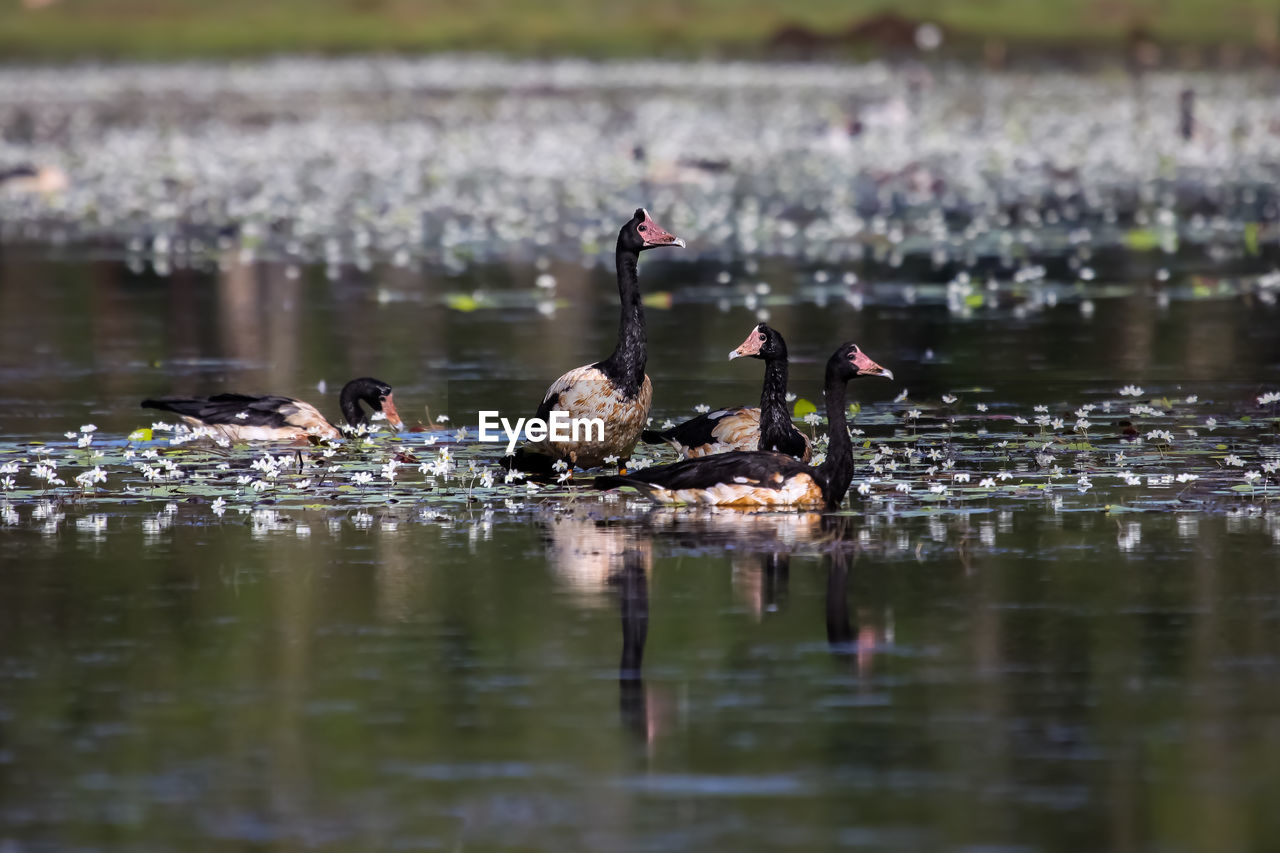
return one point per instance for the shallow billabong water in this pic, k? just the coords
(1045, 619)
(432, 663)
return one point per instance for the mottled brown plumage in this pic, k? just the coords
(615, 389)
(586, 392)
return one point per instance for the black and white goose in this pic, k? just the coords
(243, 417)
(615, 390)
(763, 478)
(766, 427)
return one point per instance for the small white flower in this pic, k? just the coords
(1003, 475)
(949, 398)
(813, 419)
(242, 416)
(92, 477)
(639, 464)
(1082, 425)
(486, 479)
(1041, 409)
(702, 408)
(513, 476)
(938, 489)
(913, 414)
(88, 428)
(72, 435)
(904, 487)
(461, 435)
(1211, 424)
(902, 395)
(1193, 398)
(1187, 478)
(982, 407)
(302, 485)
(362, 478)
(1019, 419)
(7, 484)
(987, 482)
(444, 419)
(560, 465)
(260, 485)
(1131, 391)
(864, 488)
(1250, 476)
(1268, 398)
(611, 459)
(1233, 460)
(389, 470)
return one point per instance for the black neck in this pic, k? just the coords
(837, 470)
(625, 368)
(350, 405)
(775, 423)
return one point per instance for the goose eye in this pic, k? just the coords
(644, 228)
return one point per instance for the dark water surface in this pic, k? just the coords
(992, 685)
(583, 674)
(86, 340)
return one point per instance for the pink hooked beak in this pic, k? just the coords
(867, 367)
(655, 235)
(750, 346)
(389, 409)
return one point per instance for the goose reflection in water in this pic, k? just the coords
(872, 633)
(633, 698)
(759, 544)
(585, 548)
(597, 551)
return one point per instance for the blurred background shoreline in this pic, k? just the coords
(1174, 34)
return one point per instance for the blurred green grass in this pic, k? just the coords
(190, 28)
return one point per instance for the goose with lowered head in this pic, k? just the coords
(243, 417)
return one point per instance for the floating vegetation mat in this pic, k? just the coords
(447, 160)
(1130, 453)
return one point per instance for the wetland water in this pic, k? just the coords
(356, 673)
(1017, 636)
